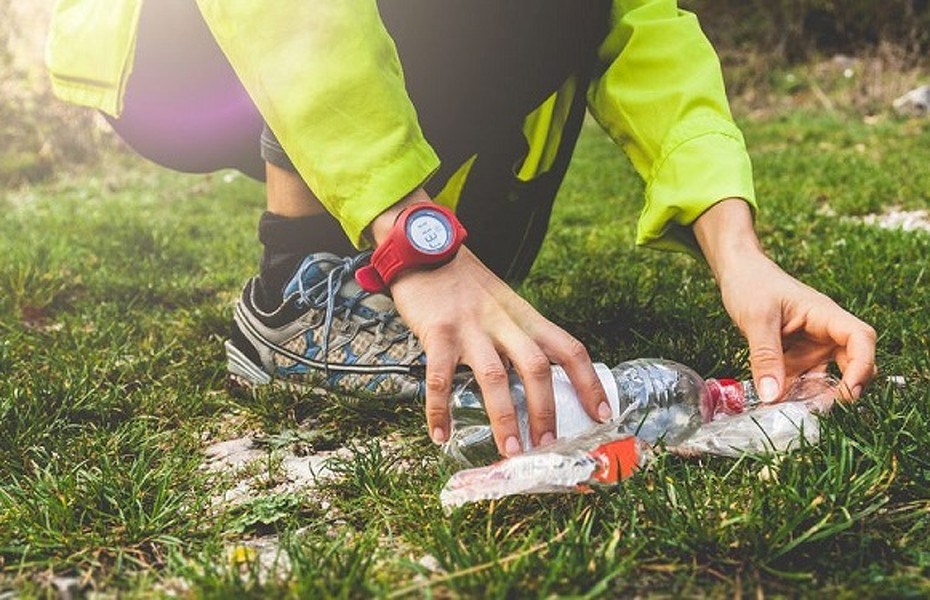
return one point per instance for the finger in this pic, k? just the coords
(441, 361)
(859, 357)
(493, 380)
(535, 371)
(765, 356)
(565, 350)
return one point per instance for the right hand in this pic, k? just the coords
(463, 314)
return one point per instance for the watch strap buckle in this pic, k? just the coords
(369, 279)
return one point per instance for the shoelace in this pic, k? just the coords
(325, 293)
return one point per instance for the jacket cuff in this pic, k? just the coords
(386, 187)
(703, 162)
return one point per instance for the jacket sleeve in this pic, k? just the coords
(90, 50)
(326, 78)
(660, 95)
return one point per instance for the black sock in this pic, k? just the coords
(287, 241)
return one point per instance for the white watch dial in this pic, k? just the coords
(429, 231)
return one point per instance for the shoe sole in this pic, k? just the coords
(245, 373)
(243, 369)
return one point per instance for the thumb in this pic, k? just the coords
(766, 359)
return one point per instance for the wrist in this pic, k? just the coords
(381, 226)
(413, 234)
(726, 236)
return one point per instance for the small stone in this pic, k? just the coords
(768, 473)
(915, 103)
(67, 587)
(431, 564)
(896, 218)
(897, 380)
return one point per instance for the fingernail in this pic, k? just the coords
(546, 438)
(512, 446)
(768, 389)
(439, 436)
(604, 412)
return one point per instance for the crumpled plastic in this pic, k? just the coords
(608, 454)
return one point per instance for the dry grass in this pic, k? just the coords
(864, 85)
(40, 135)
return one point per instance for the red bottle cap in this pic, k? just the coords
(726, 396)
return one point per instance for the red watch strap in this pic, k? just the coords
(386, 259)
(374, 279)
(369, 279)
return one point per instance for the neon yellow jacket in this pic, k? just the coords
(353, 133)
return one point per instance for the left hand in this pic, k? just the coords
(791, 328)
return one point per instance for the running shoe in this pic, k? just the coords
(327, 334)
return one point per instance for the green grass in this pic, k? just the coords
(115, 296)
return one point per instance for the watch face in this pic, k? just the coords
(429, 231)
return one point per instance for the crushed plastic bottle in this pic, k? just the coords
(653, 399)
(598, 457)
(733, 422)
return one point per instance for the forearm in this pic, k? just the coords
(726, 235)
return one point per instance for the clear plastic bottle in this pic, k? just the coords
(653, 399)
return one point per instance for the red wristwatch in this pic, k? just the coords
(423, 235)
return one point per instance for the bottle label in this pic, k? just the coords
(617, 459)
(571, 418)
